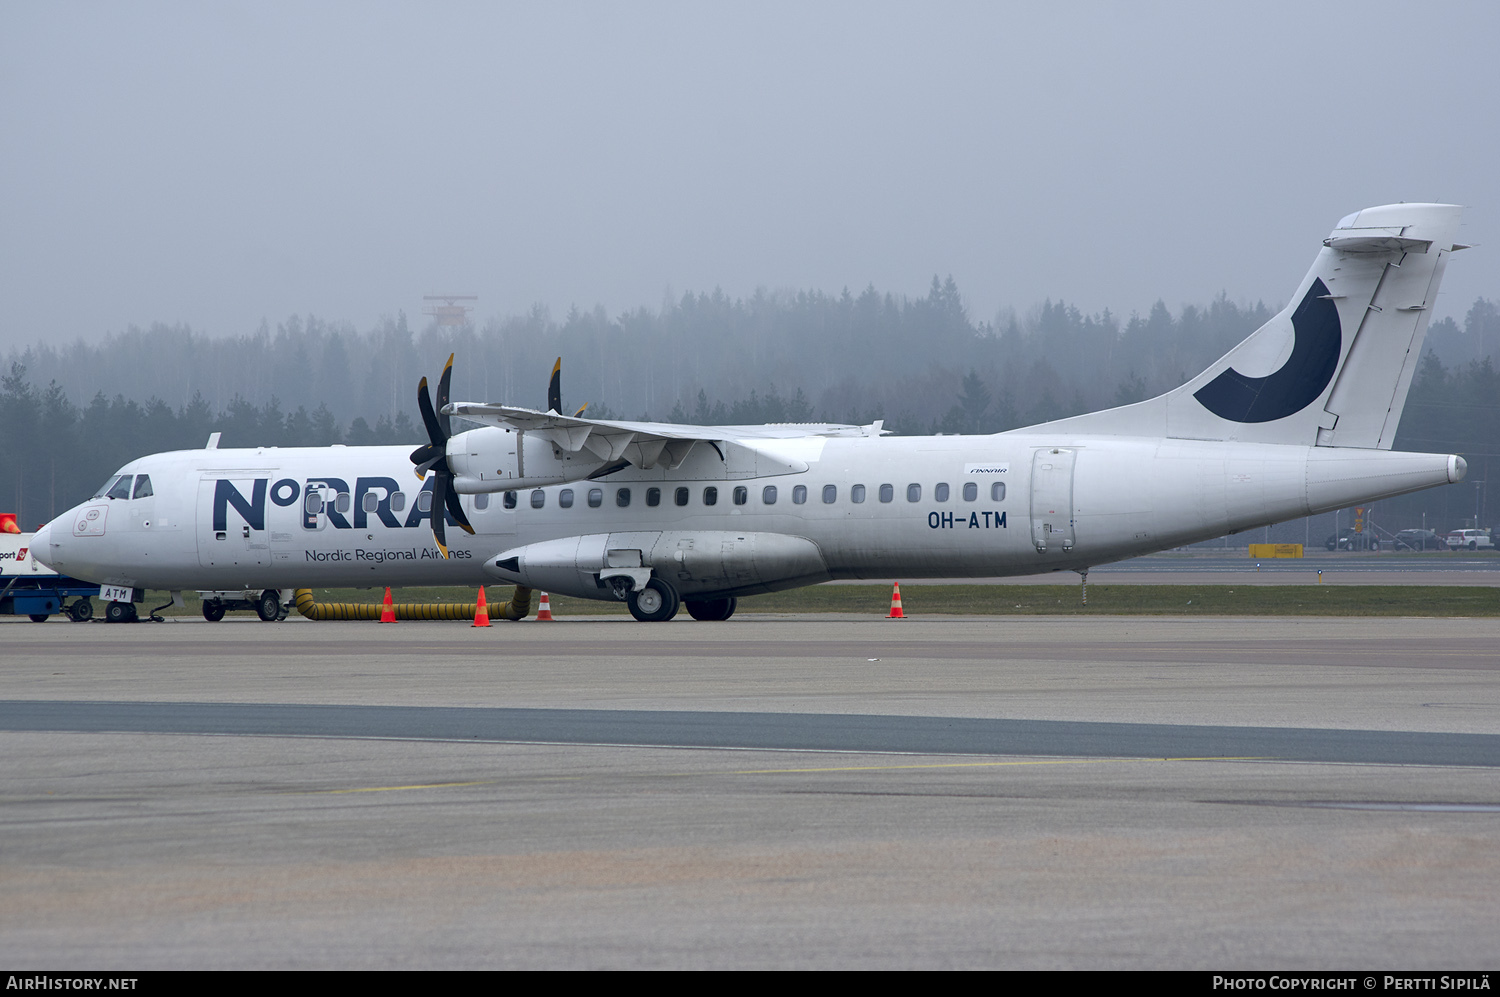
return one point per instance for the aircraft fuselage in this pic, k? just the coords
(894, 507)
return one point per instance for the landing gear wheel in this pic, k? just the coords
(656, 603)
(38, 617)
(711, 609)
(268, 606)
(213, 610)
(120, 612)
(81, 611)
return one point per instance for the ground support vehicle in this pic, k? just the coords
(269, 604)
(30, 588)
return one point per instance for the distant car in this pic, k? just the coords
(1349, 540)
(1419, 540)
(1470, 540)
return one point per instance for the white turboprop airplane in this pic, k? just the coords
(1297, 419)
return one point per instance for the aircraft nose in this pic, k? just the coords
(41, 545)
(40, 542)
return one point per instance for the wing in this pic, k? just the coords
(644, 444)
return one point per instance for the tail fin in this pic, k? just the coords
(1334, 367)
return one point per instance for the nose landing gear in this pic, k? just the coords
(120, 612)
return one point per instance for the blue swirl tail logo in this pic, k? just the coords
(1315, 357)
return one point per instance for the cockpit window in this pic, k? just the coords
(143, 485)
(104, 488)
(121, 487)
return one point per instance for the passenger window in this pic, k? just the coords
(565, 498)
(314, 502)
(971, 491)
(398, 501)
(997, 491)
(538, 499)
(913, 493)
(424, 502)
(143, 485)
(799, 494)
(680, 496)
(369, 502)
(768, 495)
(741, 495)
(887, 493)
(830, 494)
(710, 495)
(121, 490)
(940, 493)
(856, 494)
(596, 497)
(622, 497)
(481, 501)
(343, 502)
(510, 500)
(653, 497)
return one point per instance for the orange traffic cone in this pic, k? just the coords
(388, 609)
(481, 611)
(544, 611)
(895, 613)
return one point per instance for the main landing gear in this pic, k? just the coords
(658, 602)
(655, 603)
(711, 609)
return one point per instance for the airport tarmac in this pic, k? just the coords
(773, 791)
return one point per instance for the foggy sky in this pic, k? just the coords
(217, 164)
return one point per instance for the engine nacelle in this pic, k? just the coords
(497, 460)
(710, 563)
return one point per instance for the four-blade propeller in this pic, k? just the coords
(433, 457)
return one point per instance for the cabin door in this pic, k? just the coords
(1052, 499)
(231, 524)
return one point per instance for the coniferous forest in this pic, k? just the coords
(73, 413)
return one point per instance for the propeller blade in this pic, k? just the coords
(457, 510)
(428, 454)
(429, 418)
(433, 456)
(554, 388)
(444, 396)
(424, 466)
(439, 500)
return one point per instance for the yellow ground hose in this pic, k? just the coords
(516, 609)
